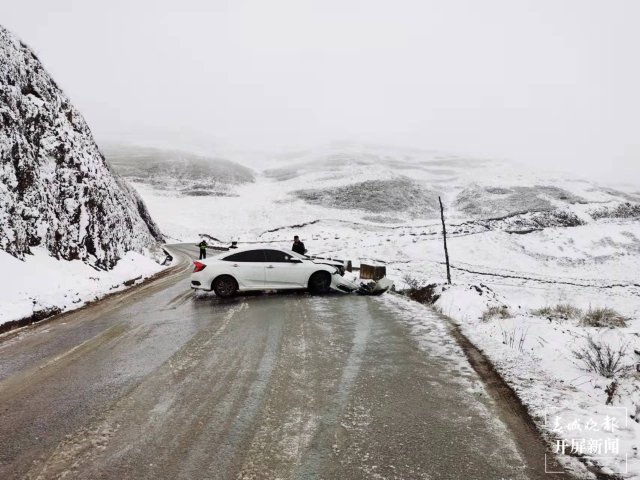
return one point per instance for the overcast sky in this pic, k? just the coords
(554, 83)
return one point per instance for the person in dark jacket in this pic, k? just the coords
(298, 246)
(203, 249)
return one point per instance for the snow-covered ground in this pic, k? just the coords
(534, 352)
(42, 284)
(529, 238)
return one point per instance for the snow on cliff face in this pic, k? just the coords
(56, 190)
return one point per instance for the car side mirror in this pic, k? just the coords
(295, 260)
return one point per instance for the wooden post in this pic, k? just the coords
(444, 233)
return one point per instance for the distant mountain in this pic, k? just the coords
(404, 184)
(177, 172)
(56, 190)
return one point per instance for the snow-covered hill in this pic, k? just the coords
(375, 188)
(56, 190)
(70, 228)
(364, 178)
(176, 171)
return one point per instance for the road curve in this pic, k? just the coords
(159, 383)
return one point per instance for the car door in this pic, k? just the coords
(283, 271)
(248, 268)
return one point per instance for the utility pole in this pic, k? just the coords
(444, 233)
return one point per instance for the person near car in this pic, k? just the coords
(298, 246)
(203, 249)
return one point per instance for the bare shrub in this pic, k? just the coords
(515, 338)
(562, 311)
(412, 282)
(502, 312)
(603, 317)
(601, 358)
(565, 219)
(543, 312)
(419, 290)
(611, 391)
(624, 210)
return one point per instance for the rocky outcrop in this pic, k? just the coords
(56, 190)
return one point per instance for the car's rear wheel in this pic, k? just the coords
(320, 282)
(225, 286)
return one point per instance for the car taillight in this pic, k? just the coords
(198, 267)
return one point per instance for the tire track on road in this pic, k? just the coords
(329, 430)
(137, 411)
(286, 420)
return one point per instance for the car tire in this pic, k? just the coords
(225, 286)
(320, 282)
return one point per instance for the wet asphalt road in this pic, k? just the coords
(159, 384)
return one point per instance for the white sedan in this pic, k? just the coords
(251, 269)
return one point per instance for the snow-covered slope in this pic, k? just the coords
(56, 190)
(407, 182)
(376, 188)
(178, 172)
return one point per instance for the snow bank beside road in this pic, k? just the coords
(43, 284)
(534, 354)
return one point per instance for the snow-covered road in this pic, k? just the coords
(157, 383)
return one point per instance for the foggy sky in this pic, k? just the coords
(551, 83)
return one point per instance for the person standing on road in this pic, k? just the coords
(298, 246)
(203, 249)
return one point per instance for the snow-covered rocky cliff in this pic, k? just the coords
(56, 190)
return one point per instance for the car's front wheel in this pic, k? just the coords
(320, 282)
(225, 286)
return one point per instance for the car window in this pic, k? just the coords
(276, 256)
(248, 256)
